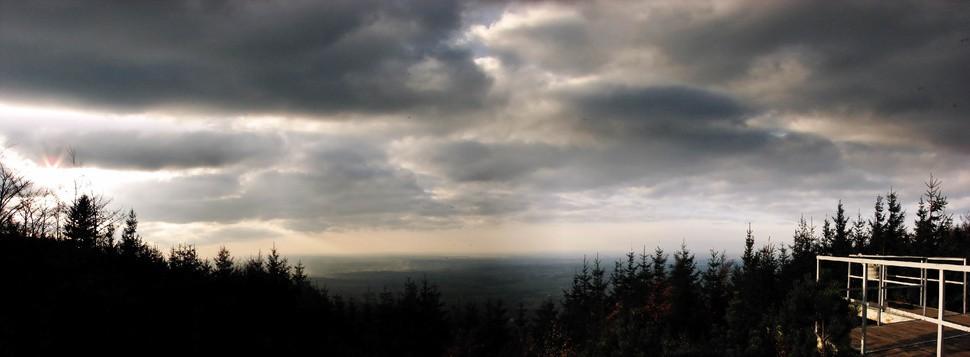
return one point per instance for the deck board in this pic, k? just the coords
(914, 338)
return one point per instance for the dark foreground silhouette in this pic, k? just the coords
(74, 289)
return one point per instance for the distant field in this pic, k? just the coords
(529, 280)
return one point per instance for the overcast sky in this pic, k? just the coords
(442, 127)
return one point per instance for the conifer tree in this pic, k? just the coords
(277, 266)
(299, 276)
(895, 238)
(804, 242)
(877, 228)
(81, 224)
(841, 244)
(684, 293)
(748, 255)
(714, 282)
(255, 267)
(185, 259)
(932, 222)
(659, 263)
(224, 264)
(827, 237)
(859, 235)
(130, 244)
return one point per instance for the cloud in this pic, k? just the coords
(240, 56)
(138, 150)
(901, 62)
(473, 161)
(337, 186)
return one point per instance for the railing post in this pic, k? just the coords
(939, 316)
(865, 307)
(818, 271)
(879, 297)
(848, 281)
(922, 288)
(964, 295)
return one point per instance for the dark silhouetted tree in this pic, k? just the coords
(185, 259)
(841, 244)
(859, 235)
(224, 265)
(684, 295)
(716, 289)
(933, 223)
(277, 267)
(877, 228)
(131, 243)
(895, 238)
(81, 225)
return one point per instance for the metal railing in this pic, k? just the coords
(879, 265)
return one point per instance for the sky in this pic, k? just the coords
(485, 127)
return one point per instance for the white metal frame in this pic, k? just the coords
(924, 264)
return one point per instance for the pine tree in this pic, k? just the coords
(224, 264)
(184, 259)
(255, 268)
(860, 236)
(933, 224)
(894, 233)
(547, 339)
(299, 276)
(684, 294)
(716, 290)
(841, 244)
(877, 228)
(277, 266)
(624, 279)
(130, 244)
(81, 226)
(748, 256)
(804, 242)
(659, 263)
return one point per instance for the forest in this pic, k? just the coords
(78, 278)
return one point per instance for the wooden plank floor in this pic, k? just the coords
(915, 338)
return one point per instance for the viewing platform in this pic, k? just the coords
(900, 296)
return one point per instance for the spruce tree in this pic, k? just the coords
(933, 224)
(184, 259)
(81, 224)
(224, 264)
(894, 233)
(716, 291)
(877, 228)
(841, 245)
(748, 255)
(130, 244)
(684, 294)
(277, 266)
(804, 242)
(860, 235)
(828, 237)
(299, 276)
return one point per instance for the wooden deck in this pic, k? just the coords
(914, 338)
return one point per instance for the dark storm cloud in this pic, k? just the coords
(152, 151)
(668, 103)
(645, 135)
(258, 56)
(671, 124)
(471, 161)
(902, 61)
